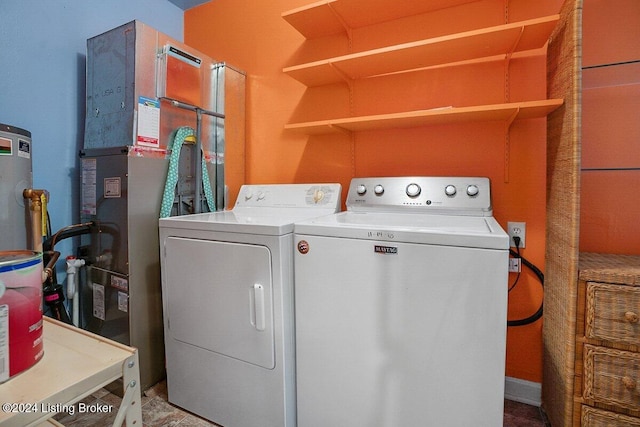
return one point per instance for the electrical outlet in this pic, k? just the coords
(516, 229)
(514, 265)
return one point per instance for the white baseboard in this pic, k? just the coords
(523, 391)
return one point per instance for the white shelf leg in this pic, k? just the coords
(131, 406)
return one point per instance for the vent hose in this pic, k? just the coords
(172, 175)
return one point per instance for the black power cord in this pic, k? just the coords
(538, 314)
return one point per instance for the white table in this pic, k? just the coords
(75, 364)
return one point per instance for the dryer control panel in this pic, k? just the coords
(289, 196)
(447, 195)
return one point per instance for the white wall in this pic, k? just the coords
(42, 81)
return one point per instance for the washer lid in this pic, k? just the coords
(449, 230)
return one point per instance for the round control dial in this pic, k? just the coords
(361, 189)
(450, 190)
(472, 190)
(378, 189)
(413, 190)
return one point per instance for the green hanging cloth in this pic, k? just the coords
(172, 176)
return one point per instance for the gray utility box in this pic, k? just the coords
(142, 86)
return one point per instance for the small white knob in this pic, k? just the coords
(473, 190)
(261, 195)
(361, 189)
(413, 190)
(378, 189)
(450, 190)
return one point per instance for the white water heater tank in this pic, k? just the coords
(15, 176)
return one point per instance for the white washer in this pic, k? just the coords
(401, 307)
(227, 290)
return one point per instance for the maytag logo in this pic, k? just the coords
(385, 249)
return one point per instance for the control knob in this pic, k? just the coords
(450, 190)
(361, 189)
(378, 189)
(413, 190)
(473, 190)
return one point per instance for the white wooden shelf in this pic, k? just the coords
(494, 112)
(330, 17)
(75, 364)
(334, 17)
(483, 43)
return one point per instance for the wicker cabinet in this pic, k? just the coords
(607, 369)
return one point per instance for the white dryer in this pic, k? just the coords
(227, 291)
(401, 307)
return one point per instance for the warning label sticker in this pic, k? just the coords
(5, 147)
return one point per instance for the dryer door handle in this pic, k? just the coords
(257, 309)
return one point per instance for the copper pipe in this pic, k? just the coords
(36, 218)
(54, 238)
(47, 273)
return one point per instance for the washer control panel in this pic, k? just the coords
(451, 195)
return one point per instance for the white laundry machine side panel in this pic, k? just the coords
(217, 386)
(398, 334)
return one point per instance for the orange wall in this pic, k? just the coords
(252, 35)
(610, 128)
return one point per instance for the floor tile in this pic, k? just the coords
(158, 412)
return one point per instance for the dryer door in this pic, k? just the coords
(219, 298)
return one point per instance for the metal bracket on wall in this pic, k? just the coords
(344, 24)
(507, 142)
(507, 97)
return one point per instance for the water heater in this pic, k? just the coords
(15, 176)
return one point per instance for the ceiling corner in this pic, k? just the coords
(188, 4)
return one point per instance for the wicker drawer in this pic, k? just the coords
(592, 417)
(612, 377)
(613, 313)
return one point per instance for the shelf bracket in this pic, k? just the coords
(348, 80)
(344, 76)
(507, 142)
(352, 143)
(339, 128)
(507, 64)
(344, 24)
